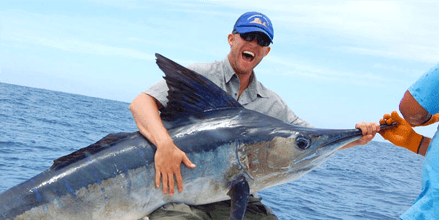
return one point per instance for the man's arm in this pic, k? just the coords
(424, 146)
(168, 157)
(412, 111)
(369, 130)
(416, 115)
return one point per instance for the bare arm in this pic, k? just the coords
(168, 157)
(145, 110)
(412, 111)
(416, 115)
(404, 135)
(424, 146)
(369, 131)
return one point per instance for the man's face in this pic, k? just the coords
(245, 55)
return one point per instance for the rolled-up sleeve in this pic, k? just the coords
(298, 121)
(159, 91)
(294, 120)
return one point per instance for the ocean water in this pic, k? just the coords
(375, 181)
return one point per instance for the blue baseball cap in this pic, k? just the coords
(254, 22)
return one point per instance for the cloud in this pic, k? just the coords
(394, 29)
(415, 73)
(290, 67)
(405, 52)
(29, 29)
(379, 29)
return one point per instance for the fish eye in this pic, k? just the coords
(303, 142)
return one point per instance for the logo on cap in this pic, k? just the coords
(258, 21)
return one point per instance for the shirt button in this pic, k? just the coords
(236, 94)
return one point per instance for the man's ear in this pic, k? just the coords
(230, 39)
(267, 51)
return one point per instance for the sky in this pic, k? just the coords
(335, 63)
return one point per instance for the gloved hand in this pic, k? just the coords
(433, 119)
(403, 134)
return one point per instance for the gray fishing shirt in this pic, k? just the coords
(256, 97)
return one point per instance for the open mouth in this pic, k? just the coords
(248, 56)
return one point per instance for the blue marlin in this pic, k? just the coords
(238, 152)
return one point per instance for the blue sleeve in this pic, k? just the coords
(426, 90)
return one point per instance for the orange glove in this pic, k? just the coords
(403, 134)
(432, 120)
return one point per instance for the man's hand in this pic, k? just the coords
(369, 130)
(403, 134)
(168, 159)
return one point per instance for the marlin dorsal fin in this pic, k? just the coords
(189, 92)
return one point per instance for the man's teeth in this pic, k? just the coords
(248, 54)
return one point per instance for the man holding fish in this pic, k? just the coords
(249, 44)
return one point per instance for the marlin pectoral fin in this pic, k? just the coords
(239, 192)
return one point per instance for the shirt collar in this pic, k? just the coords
(228, 70)
(255, 87)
